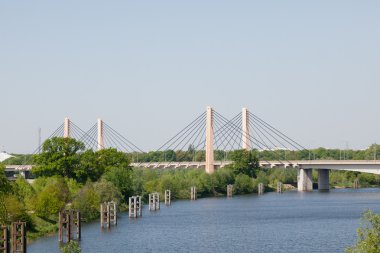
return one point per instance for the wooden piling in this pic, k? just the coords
(139, 206)
(168, 197)
(19, 237)
(279, 187)
(108, 214)
(260, 189)
(64, 231)
(229, 190)
(4, 239)
(193, 194)
(135, 207)
(356, 183)
(154, 201)
(69, 226)
(104, 216)
(75, 225)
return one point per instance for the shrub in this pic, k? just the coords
(71, 247)
(87, 201)
(243, 184)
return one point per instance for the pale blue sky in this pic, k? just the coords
(311, 68)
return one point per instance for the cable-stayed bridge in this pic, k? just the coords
(208, 141)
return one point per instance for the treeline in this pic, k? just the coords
(70, 177)
(371, 153)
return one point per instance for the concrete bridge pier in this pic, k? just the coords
(323, 179)
(305, 180)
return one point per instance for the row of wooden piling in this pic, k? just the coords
(108, 214)
(14, 235)
(69, 226)
(135, 207)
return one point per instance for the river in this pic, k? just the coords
(288, 222)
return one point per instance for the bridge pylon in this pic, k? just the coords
(246, 143)
(210, 166)
(100, 134)
(67, 128)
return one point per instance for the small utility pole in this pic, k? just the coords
(375, 153)
(39, 140)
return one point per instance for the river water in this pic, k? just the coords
(288, 222)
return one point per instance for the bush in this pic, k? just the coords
(369, 235)
(53, 198)
(107, 191)
(243, 184)
(122, 179)
(71, 247)
(87, 202)
(16, 211)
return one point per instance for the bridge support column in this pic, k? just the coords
(323, 179)
(100, 135)
(210, 167)
(305, 180)
(246, 144)
(66, 128)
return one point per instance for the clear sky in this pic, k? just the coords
(310, 68)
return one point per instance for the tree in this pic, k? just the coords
(107, 191)
(5, 186)
(244, 163)
(369, 235)
(60, 156)
(110, 158)
(87, 201)
(122, 179)
(53, 198)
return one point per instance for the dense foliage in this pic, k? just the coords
(368, 235)
(70, 177)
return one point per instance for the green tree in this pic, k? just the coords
(245, 162)
(368, 235)
(60, 156)
(87, 201)
(5, 186)
(122, 179)
(110, 158)
(107, 191)
(53, 198)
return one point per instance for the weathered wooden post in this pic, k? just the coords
(154, 201)
(230, 188)
(134, 206)
(157, 198)
(139, 206)
(151, 202)
(113, 212)
(104, 215)
(4, 239)
(356, 183)
(261, 188)
(279, 187)
(18, 237)
(77, 224)
(168, 197)
(65, 227)
(193, 194)
(69, 226)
